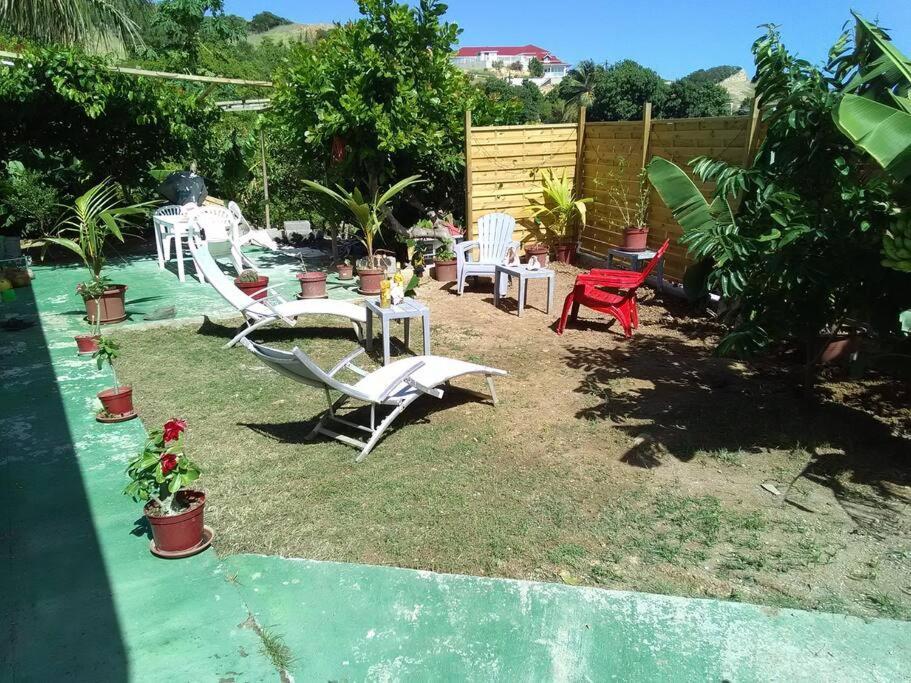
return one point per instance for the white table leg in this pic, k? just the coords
(425, 323)
(178, 246)
(521, 295)
(385, 340)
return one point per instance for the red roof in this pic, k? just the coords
(511, 51)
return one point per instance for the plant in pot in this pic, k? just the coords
(117, 402)
(369, 215)
(94, 217)
(345, 270)
(92, 289)
(556, 211)
(312, 282)
(159, 477)
(632, 211)
(445, 268)
(252, 283)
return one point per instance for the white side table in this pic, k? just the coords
(404, 311)
(523, 274)
(637, 260)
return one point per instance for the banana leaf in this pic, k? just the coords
(684, 199)
(882, 131)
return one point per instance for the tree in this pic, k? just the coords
(516, 66)
(687, 98)
(182, 28)
(73, 22)
(264, 21)
(800, 257)
(535, 68)
(715, 74)
(578, 88)
(623, 89)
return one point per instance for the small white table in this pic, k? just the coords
(523, 273)
(179, 227)
(637, 260)
(404, 311)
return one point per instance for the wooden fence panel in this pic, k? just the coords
(504, 165)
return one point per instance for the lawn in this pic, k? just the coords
(625, 464)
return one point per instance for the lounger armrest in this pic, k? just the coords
(265, 302)
(346, 362)
(401, 378)
(411, 382)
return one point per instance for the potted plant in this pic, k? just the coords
(91, 290)
(252, 283)
(117, 402)
(345, 270)
(445, 267)
(159, 476)
(369, 215)
(94, 217)
(632, 211)
(313, 284)
(555, 212)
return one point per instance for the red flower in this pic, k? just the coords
(173, 428)
(168, 462)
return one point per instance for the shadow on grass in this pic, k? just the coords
(675, 398)
(58, 617)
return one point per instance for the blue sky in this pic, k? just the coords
(673, 37)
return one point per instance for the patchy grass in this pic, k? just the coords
(581, 475)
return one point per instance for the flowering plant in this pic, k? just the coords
(162, 469)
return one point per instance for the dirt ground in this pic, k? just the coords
(643, 463)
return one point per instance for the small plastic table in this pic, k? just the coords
(637, 260)
(404, 311)
(523, 274)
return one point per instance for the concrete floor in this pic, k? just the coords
(83, 599)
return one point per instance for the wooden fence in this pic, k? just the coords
(504, 163)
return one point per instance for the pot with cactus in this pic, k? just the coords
(117, 402)
(554, 213)
(369, 214)
(95, 217)
(252, 284)
(160, 476)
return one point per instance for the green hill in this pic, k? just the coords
(289, 32)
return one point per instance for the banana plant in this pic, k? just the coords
(369, 215)
(558, 203)
(94, 217)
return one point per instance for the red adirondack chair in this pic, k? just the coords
(609, 291)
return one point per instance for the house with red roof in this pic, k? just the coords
(496, 57)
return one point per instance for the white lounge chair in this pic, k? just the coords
(494, 240)
(396, 386)
(247, 234)
(259, 312)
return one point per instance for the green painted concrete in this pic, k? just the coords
(83, 599)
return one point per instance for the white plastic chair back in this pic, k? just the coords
(494, 236)
(213, 226)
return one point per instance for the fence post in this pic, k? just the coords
(751, 134)
(578, 177)
(646, 131)
(469, 224)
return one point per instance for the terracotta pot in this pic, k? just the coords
(87, 343)
(117, 400)
(565, 253)
(252, 289)
(445, 271)
(345, 271)
(839, 350)
(542, 251)
(313, 285)
(111, 305)
(182, 531)
(635, 239)
(370, 279)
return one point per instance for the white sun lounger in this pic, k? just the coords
(259, 312)
(395, 385)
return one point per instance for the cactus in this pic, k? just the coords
(248, 275)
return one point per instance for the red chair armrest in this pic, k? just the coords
(610, 278)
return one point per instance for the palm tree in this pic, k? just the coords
(579, 87)
(91, 23)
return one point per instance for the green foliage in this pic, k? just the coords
(559, 205)
(29, 204)
(108, 351)
(445, 252)
(94, 217)
(577, 90)
(90, 23)
(263, 21)
(535, 68)
(183, 28)
(162, 469)
(687, 98)
(801, 257)
(622, 89)
(713, 75)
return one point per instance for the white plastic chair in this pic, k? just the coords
(494, 240)
(274, 308)
(215, 226)
(168, 234)
(396, 385)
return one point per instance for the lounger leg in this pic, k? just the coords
(378, 432)
(493, 391)
(326, 415)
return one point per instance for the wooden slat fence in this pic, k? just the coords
(504, 165)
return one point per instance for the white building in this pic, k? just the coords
(493, 57)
